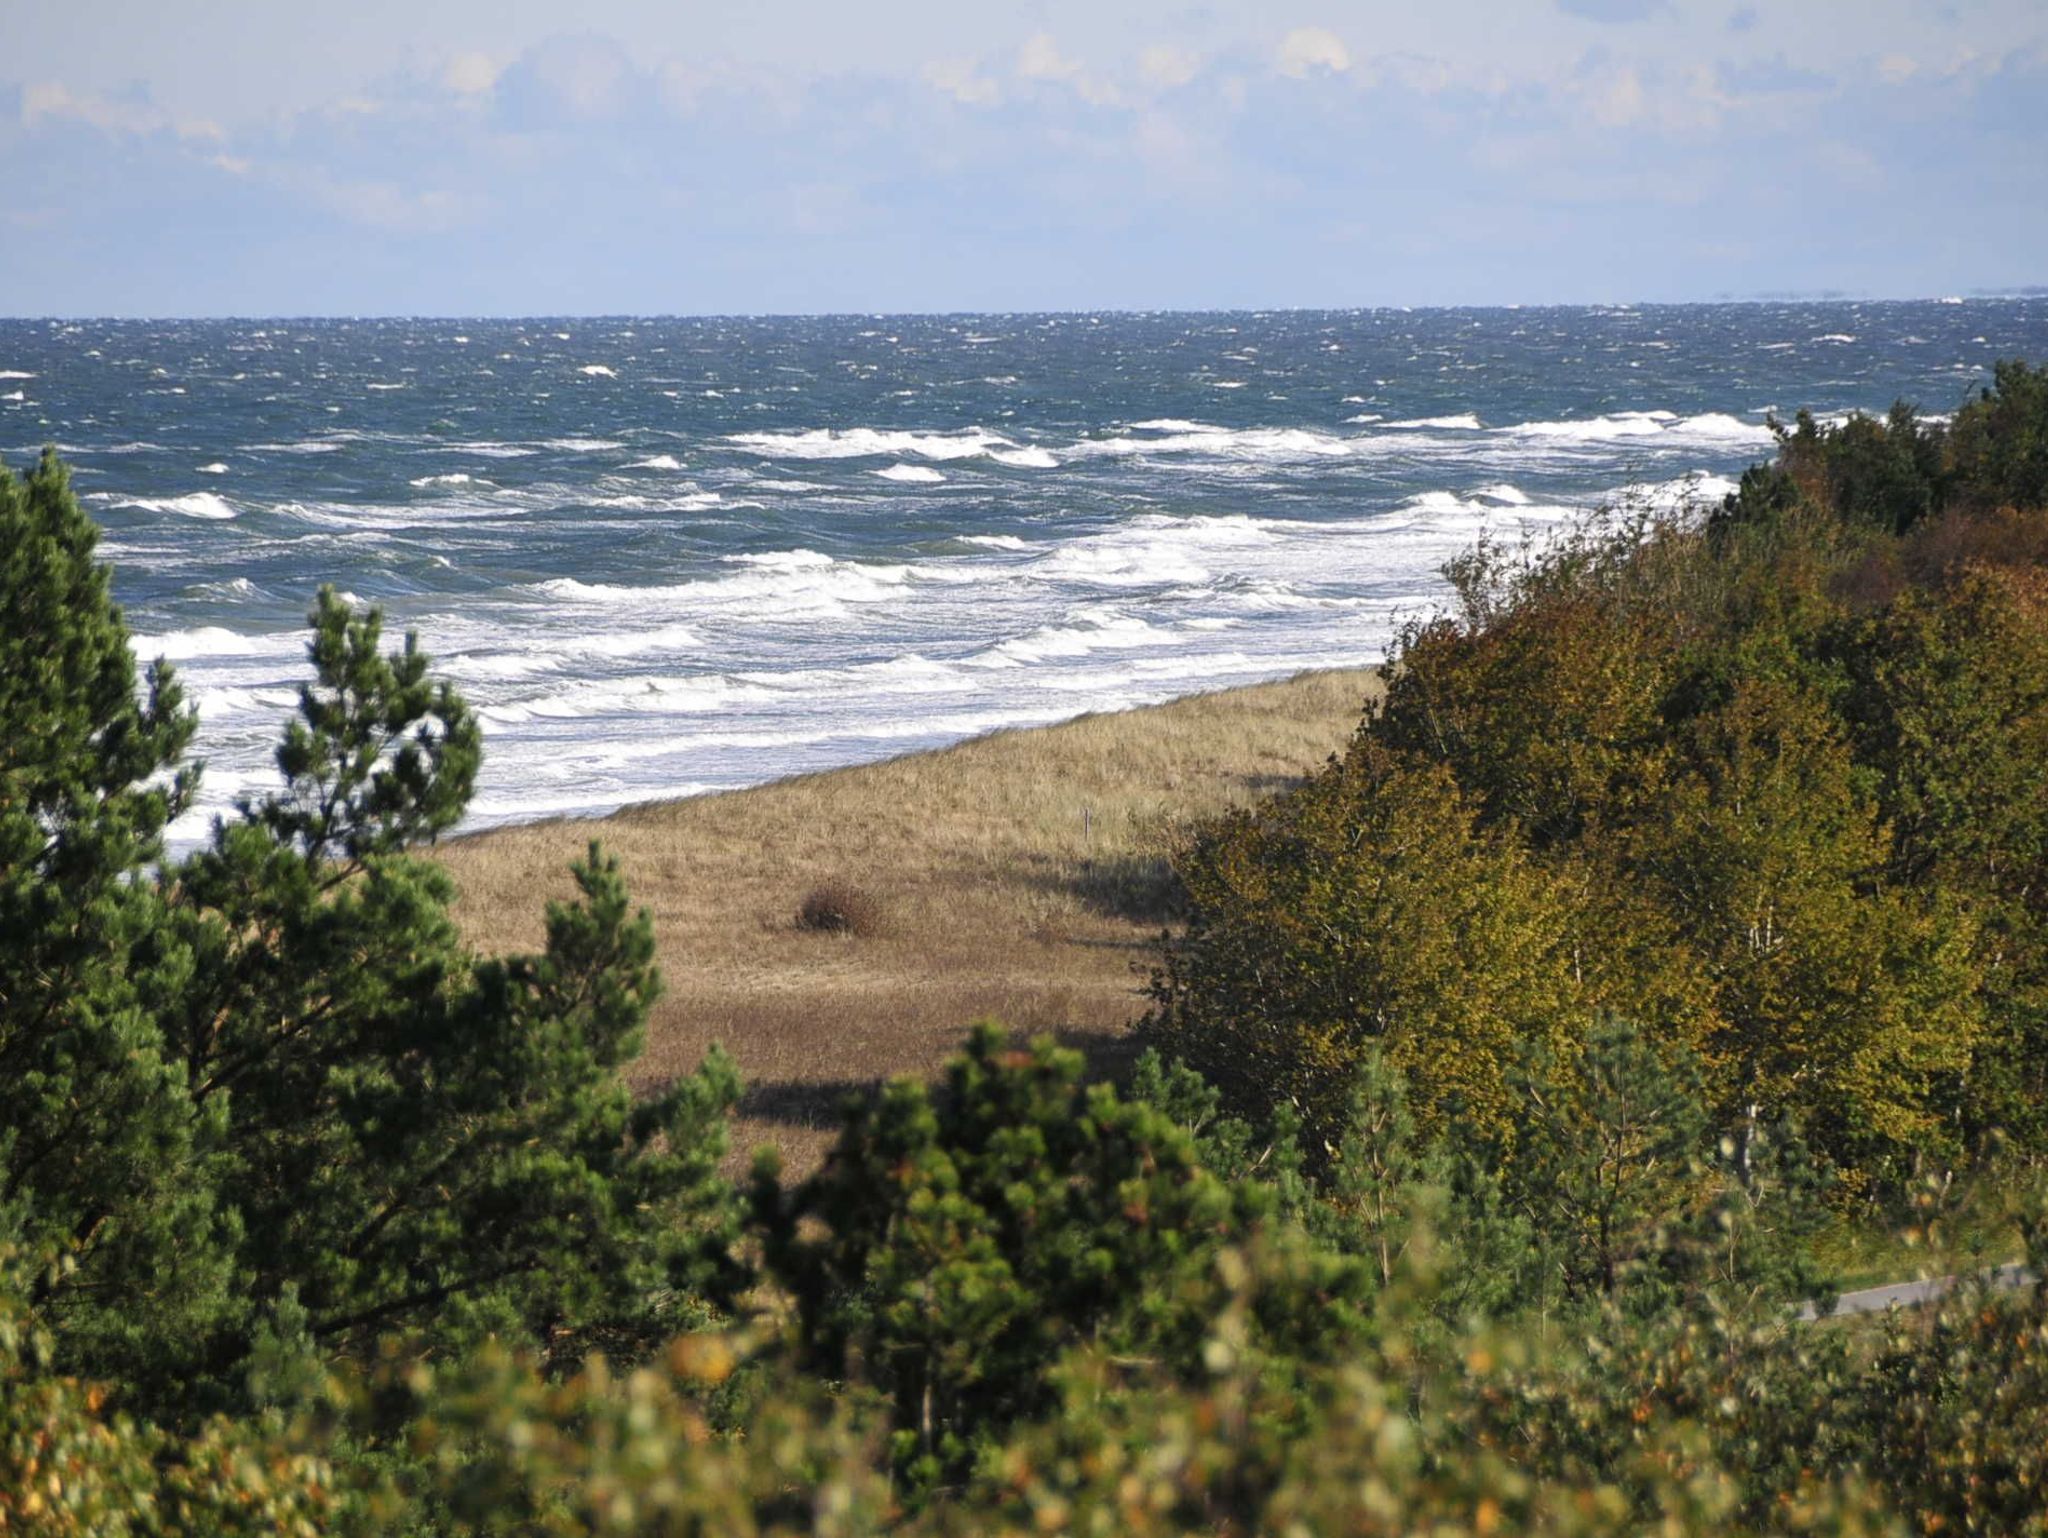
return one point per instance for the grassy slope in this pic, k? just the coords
(999, 896)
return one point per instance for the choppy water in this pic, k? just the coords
(664, 556)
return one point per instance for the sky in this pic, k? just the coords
(491, 157)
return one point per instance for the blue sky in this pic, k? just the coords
(718, 156)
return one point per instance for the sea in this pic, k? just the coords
(666, 556)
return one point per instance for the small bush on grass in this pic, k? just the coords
(839, 908)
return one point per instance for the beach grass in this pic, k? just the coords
(1020, 876)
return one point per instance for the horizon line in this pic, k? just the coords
(1818, 296)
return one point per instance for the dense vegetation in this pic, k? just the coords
(1771, 788)
(1684, 907)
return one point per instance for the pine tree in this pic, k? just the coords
(266, 1097)
(106, 1179)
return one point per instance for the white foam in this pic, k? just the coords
(784, 560)
(1710, 426)
(1250, 445)
(212, 704)
(216, 468)
(996, 541)
(215, 641)
(771, 586)
(1463, 421)
(1097, 629)
(1512, 496)
(400, 385)
(489, 808)
(15, 395)
(1835, 336)
(871, 443)
(597, 371)
(580, 445)
(14, 373)
(1687, 493)
(486, 450)
(658, 462)
(921, 475)
(456, 479)
(1025, 459)
(623, 696)
(195, 504)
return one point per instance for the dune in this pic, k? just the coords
(1020, 875)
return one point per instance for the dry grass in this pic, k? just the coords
(1022, 873)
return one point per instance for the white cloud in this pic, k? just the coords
(1618, 100)
(1040, 59)
(962, 80)
(585, 77)
(1311, 50)
(53, 100)
(1896, 68)
(470, 74)
(385, 205)
(1167, 66)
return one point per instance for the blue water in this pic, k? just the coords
(664, 556)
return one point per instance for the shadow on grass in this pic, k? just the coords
(813, 1103)
(1140, 889)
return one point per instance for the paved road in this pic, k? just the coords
(1875, 1300)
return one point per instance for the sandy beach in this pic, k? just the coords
(1019, 875)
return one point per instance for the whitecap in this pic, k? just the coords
(871, 443)
(195, 504)
(1701, 488)
(214, 641)
(996, 541)
(658, 462)
(216, 468)
(597, 371)
(783, 560)
(457, 479)
(920, 475)
(14, 373)
(486, 450)
(773, 585)
(580, 445)
(1835, 336)
(1025, 459)
(1512, 496)
(1464, 421)
(1714, 426)
(1096, 629)
(1249, 445)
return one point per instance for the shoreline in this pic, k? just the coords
(1018, 875)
